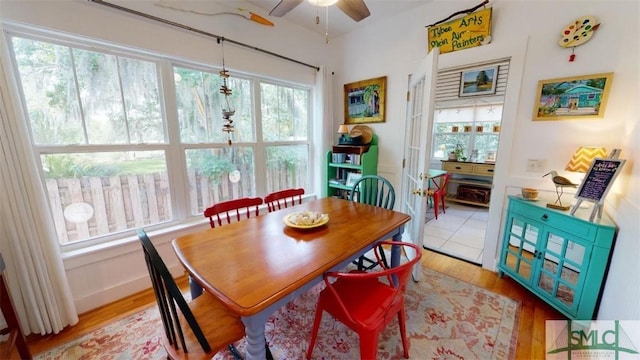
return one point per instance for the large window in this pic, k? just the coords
(473, 128)
(119, 147)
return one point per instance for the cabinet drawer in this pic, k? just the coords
(458, 167)
(567, 224)
(481, 169)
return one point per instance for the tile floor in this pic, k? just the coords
(459, 233)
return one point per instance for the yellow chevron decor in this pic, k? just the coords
(581, 160)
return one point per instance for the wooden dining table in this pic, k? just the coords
(257, 265)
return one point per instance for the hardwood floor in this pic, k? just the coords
(531, 329)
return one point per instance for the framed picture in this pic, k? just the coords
(364, 101)
(352, 177)
(572, 98)
(479, 81)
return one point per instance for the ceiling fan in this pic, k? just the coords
(355, 9)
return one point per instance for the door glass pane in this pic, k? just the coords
(546, 282)
(565, 294)
(517, 227)
(524, 267)
(512, 261)
(531, 233)
(570, 274)
(550, 264)
(518, 259)
(555, 244)
(575, 253)
(219, 174)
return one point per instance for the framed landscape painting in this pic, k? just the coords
(479, 81)
(572, 98)
(364, 101)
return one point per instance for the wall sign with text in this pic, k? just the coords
(463, 33)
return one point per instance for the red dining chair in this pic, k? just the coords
(284, 198)
(367, 315)
(439, 195)
(229, 209)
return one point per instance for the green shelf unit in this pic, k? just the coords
(561, 258)
(368, 164)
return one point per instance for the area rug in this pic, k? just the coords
(447, 319)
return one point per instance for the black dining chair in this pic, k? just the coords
(377, 191)
(197, 329)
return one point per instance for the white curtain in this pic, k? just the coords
(324, 129)
(35, 273)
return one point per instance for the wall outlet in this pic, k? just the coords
(536, 165)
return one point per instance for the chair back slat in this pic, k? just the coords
(374, 190)
(168, 295)
(284, 198)
(226, 211)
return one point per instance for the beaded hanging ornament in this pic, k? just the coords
(227, 109)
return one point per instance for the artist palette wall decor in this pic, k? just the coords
(572, 98)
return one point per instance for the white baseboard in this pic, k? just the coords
(118, 292)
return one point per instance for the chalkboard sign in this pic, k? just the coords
(600, 177)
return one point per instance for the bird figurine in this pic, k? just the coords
(560, 182)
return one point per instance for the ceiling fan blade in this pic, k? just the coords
(283, 7)
(355, 9)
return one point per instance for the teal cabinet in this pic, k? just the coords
(343, 160)
(561, 258)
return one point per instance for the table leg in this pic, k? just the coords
(395, 250)
(256, 342)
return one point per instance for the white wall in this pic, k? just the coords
(392, 48)
(395, 47)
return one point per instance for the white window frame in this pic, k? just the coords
(173, 148)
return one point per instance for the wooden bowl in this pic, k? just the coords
(529, 193)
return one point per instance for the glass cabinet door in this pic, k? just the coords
(521, 250)
(561, 269)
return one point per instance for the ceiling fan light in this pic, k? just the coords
(323, 2)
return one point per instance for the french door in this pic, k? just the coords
(418, 127)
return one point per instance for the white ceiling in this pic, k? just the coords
(339, 23)
(303, 15)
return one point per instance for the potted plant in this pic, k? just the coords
(459, 152)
